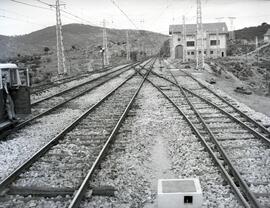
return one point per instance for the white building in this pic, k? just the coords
(266, 36)
(215, 40)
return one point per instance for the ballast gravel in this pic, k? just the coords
(24, 143)
(60, 88)
(129, 165)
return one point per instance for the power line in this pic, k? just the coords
(113, 1)
(19, 2)
(53, 6)
(66, 12)
(20, 20)
(130, 20)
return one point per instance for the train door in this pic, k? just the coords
(179, 52)
(20, 91)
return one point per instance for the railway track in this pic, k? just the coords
(37, 89)
(57, 101)
(58, 174)
(238, 145)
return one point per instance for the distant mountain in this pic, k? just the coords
(79, 35)
(249, 33)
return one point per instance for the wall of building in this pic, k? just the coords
(211, 51)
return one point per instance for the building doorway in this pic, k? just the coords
(222, 54)
(179, 52)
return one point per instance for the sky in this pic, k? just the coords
(153, 15)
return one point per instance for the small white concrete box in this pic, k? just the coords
(179, 193)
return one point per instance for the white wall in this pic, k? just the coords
(175, 42)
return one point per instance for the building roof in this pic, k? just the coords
(8, 66)
(208, 27)
(267, 33)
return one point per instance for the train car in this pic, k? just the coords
(14, 94)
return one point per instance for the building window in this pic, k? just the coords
(211, 52)
(188, 199)
(204, 52)
(192, 52)
(179, 39)
(214, 42)
(188, 53)
(190, 43)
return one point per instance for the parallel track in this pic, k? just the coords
(46, 86)
(225, 134)
(64, 166)
(58, 101)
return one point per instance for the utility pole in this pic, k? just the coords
(199, 38)
(172, 45)
(218, 44)
(61, 60)
(105, 44)
(231, 34)
(128, 47)
(184, 39)
(257, 51)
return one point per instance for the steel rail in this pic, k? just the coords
(55, 83)
(235, 173)
(11, 177)
(254, 132)
(6, 133)
(265, 130)
(77, 86)
(83, 188)
(229, 179)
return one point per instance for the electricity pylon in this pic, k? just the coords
(199, 38)
(61, 60)
(128, 47)
(184, 39)
(218, 44)
(231, 34)
(105, 44)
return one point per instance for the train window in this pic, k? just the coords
(15, 77)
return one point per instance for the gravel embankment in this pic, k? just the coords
(60, 88)
(133, 165)
(28, 140)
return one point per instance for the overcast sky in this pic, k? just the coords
(154, 15)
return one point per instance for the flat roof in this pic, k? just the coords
(8, 66)
(219, 27)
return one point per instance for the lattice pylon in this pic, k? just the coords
(184, 40)
(128, 47)
(199, 38)
(61, 60)
(218, 44)
(105, 45)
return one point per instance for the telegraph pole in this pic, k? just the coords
(61, 60)
(184, 39)
(231, 34)
(218, 44)
(128, 47)
(199, 38)
(105, 44)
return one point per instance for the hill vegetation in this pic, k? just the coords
(249, 33)
(82, 44)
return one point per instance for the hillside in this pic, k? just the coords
(249, 33)
(37, 50)
(83, 36)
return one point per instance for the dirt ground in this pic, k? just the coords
(227, 82)
(257, 102)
